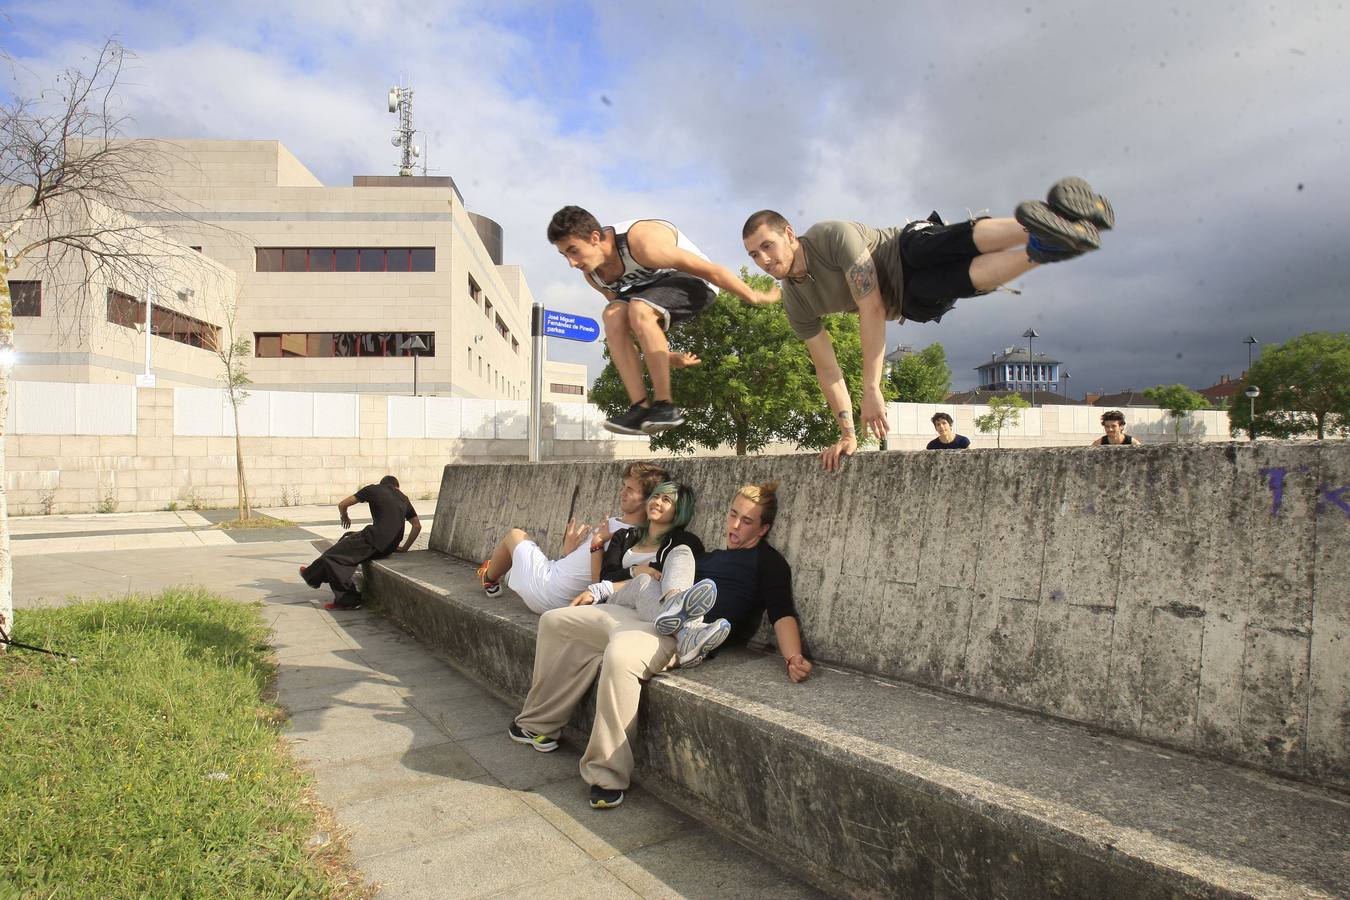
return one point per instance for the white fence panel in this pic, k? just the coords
(569, 421)
(199, 412)
(407, 417)
(292, 414)
(255, 415)
(443, 415)
(105, 409)
(337, 415)
(45, 407)
(477, 421)
(513, 419)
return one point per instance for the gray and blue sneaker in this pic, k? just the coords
(1075, 198)
(541, 742)
(688, 606)
(695, 642)
(1052, 237)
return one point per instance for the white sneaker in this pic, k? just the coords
(695, 642)
(689, 605)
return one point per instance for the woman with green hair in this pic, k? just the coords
(650, 568)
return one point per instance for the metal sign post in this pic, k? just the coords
(546, 323)
(537, 346)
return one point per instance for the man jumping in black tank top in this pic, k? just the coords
(654, 278)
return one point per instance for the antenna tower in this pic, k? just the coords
(400, 103)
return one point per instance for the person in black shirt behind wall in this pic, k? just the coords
(389, 509)
(947, 438)
(623, 647)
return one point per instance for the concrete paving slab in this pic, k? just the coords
(346, 733)
(470, 864)
(521, 767)
(375, 696)
(429, 813)
(642, 820)
(592, 881)
(705, 865)
(327, 667)
(346, 784)
(468, 718)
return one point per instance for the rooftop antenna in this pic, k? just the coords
(400, 102)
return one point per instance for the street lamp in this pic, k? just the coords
(1251, 393)
(1064, 384)
(1250, 342)
(1030, 334)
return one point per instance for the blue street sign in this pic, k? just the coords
(570, 327)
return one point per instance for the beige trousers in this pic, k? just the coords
(576, 644)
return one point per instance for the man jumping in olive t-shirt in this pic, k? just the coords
(917, 272)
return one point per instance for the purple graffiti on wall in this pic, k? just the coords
(1338, 497)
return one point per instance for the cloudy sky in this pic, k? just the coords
(1213, 126)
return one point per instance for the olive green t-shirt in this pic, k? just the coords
(831, 247)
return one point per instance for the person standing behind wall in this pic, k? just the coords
(1113, 423)
(947, 438)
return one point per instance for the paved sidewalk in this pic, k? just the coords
(413, 757)
(86, 532)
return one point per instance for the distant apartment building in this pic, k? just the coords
(1015, 370)
(335, 288)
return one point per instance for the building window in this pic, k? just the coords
(515, 346)
(345, 259)
(487, 308)
(501, 328)
(128, 312)
(25, 298)
(567, 388)
(475, 292)
(316, 344)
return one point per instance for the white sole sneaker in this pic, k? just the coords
(691, 603)
(696, 643)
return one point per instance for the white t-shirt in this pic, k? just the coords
(634, 557)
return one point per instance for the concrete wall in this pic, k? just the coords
(1191, 595)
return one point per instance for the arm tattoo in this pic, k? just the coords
(862, 276)
(845, 421)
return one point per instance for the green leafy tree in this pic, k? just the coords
(1305, 388)
(755, 385)
(1004, 412)
(922, 377)
(1178, 400)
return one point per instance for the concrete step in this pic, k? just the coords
(872, 787)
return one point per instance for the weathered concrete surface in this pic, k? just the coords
(1191, 595)
(872, 787)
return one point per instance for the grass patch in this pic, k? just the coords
(153, 767)
(256, 522)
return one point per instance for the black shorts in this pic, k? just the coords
(678, 297)
(936, 259)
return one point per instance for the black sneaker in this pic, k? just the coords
(540, 742)
(629, 422)
(1075, 198)
(602, 798)
(662, 416)
(1055, 231)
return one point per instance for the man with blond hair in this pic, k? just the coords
(624, 645)
(518, 563)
